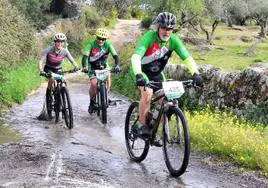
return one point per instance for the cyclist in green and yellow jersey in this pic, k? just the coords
(96, 53)
(150, 58)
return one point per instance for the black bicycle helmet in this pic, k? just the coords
(166, 20)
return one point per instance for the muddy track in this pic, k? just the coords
(94, 155)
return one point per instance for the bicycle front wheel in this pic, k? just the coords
(176, 140)
(137, 148)
(67, 111)
(57, 104)
(103, 97)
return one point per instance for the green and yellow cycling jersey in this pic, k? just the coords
(155, 54)
(98, 55)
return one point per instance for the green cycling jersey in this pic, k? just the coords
(151, 55)
(98, 54)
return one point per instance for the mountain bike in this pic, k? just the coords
(101, 97)
(174, 130)
(61, 101)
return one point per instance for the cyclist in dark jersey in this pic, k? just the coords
(150, 58)
(96, 53)
(52, 57)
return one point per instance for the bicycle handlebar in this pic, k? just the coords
(93, 71)
(185, 82)
(49, 74)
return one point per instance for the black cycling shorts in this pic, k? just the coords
(49, 69)
(156, 78)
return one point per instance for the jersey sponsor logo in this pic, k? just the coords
(96, 54)
(154, 53)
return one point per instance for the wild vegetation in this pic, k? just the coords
(233, 28)
(17, 45)
(211, 130)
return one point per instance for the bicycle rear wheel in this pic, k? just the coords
(176, 142)
(137, 148)
(67, 111)
(103, 100)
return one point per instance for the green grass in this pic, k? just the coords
(19, 82)
(225, 135)
(229, 52)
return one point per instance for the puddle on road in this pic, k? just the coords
(8, 135)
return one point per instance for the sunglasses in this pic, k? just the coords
(102, 39)
(166, 28)
(61, 41)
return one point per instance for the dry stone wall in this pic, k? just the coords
(245, 92)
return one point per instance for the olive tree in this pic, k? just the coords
(185, 10)
(258, 10)
(215, 13)
(106, 6)
(235, 11)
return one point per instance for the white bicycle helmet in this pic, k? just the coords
(59, 36)
(166, 20)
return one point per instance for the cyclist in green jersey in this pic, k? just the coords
(150, 58)
(96, 53)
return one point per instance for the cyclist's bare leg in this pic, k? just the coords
(144, 105)
(109, 81)
(93, 88)
(50, 83)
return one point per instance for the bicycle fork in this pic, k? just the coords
(168, 107)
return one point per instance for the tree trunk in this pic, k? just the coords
(204, 30)
(263, 26)
(209, 36)
(214, 26)
(229, 22)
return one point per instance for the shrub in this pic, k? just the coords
(136, 12)
(17, 41)
(35, 11)
(92, 19)
(146, 22)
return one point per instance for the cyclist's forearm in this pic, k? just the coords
(116, 59)
(41, 62)
(84, 61)
(191, 65)
(73, 61)
(136, 64)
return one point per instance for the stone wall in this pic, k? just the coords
(245, 92)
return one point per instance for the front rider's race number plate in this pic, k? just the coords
(173, 89)
(102, 74)
(57, 76)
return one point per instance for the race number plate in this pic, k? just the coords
(57, 76)
(101, 74)
(173, 89)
